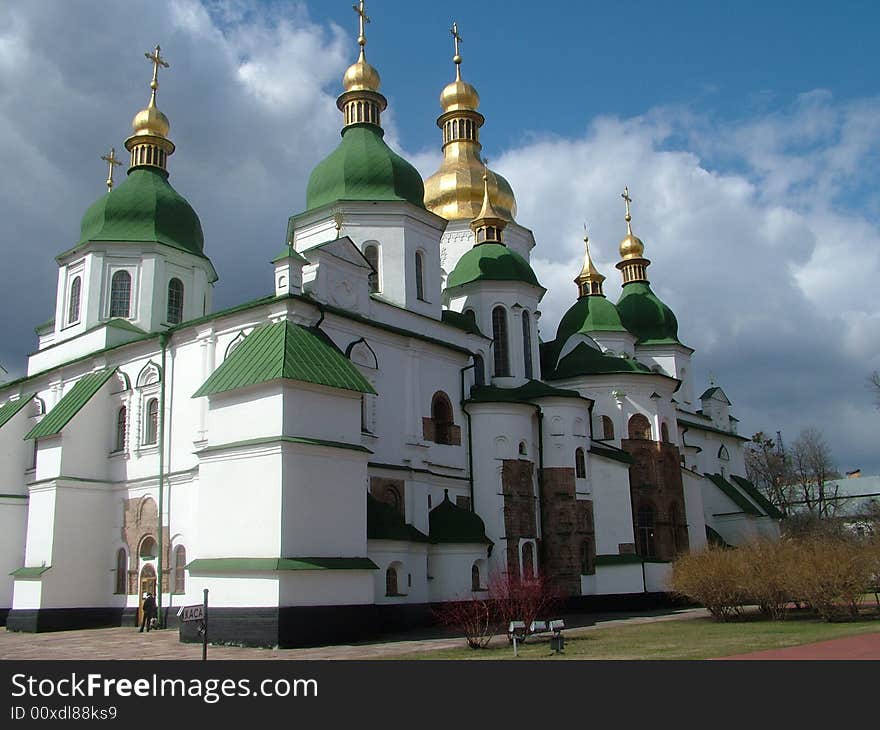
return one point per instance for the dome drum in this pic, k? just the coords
(361, 107)
(461, 126)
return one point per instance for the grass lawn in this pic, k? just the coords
(695, 638)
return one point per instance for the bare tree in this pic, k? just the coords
(874, 386)
(812, 469)
(767, 467)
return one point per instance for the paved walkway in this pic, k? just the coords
(864, 646)
(129, 643)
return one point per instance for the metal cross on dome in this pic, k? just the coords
(156, 59)
(112, 161)
(363, 18)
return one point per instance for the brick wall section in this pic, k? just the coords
(566, 523)
(655, 480)
(429, 432)
(517, 485)
(383, 489)
(141, 518)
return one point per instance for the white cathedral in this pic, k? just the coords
(380, 433)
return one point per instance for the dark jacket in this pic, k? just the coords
(150, 606)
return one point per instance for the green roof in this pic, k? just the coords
(587, 360)
(451, 523)
(8, 410)
(386, 523)
(461, 321)
(523, 394)
(70, 404)
(144, 208)
(764, 503)
(30, 572)
(289, 252)
(713, 391)
(248, 565)
(611, 452)
(491, 262)
(285, 350)
(589, 314)
(715, 538)
(712, 429)
(364, 167)
(626, 559)
(734, 494)
(643, 314)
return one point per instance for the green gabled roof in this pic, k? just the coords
(587, 360)
(289, 252)
(713, 391)
(30, 573)
(610, 452)
(364, 167)
(764, 503)
(123, 324)
(460, 321)
(589, 314)
(8, 410)
(731, 491)
(532, 390)
(712, 429)
(70, 404)
(248, 565)
(285, 350)
(714, 538)
(386, 523)
(450, 523)
(144, 208)
(643, 314)
(491, 262)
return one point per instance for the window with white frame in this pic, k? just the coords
(73, 301)
(120, 294)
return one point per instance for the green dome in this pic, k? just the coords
(144, 208)
(450, 523)
(586, 360)
(589, 314)
(643, 314)
(363, 167)
(491, 262)
(386, 523)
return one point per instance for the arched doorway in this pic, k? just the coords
(147, 585)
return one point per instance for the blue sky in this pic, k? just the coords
(748, 134)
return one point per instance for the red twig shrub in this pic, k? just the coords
(472, 617)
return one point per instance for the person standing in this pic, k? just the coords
(149, 612)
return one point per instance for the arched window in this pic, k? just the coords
(148, 549)
(475, 577)
(73, 306)
(420, 282)
(180, 569)
(639, 427)
(523, 449)
(528, 561)
(479, 370)
(588, 556)
(527, 344)
(723, 453)
(499, 334)
(441, 415)
(121, 428)
(371, 254)
(674, 523)
(392, 497)
(120, 294)
(607, 428)
(580, 464)
(121, 571)
(472, 317)
(391, 581)
(151, 427)
(647, 547)
(664, 433)
(175, 301)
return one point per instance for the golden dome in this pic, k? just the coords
(631, 247)
(361, 76)
(455, 191)
(459, 95)
(150, 121)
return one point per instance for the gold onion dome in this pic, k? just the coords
(590, 280)
(455, 191)
(149, 144)
(150, 121)
(361, 76)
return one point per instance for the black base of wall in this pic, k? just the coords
(3, 614)
(66, 619)
(624, 602)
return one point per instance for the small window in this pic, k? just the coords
(523, 449)
(441, 415)
(588, 557)
(674, 524)
(640, 428)
(151, 431)
(499, 334)
(420, 281)
(121, 428)
(479, 370)
(73, 306)
(175, 301)
(391, 581)
(121, 572)
(527, 344)
(120, 294)
(580, 464)
(475, 577)
(528, 561)
(148, 549)
(371, 254)
(647, 546)
(180, 569)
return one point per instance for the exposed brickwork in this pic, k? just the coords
(655, 482)
(567, 523)
(390, 491)
(431, 431)
(140, 519)
(517, 485)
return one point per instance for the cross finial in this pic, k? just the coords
(338, 221)
(628, 217)
(111, 160)
(362, 18)
(456, 59)
(156, 59)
